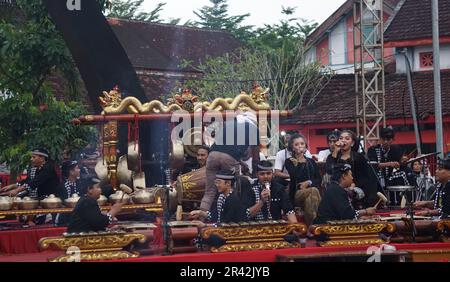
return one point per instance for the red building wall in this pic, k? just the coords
(323, 52)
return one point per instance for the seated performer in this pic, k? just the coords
(70, 185)
(227, 207)
(441, 204)
(86, 215)
(305, 178)
(267, 199)
(281, 174)
(41, 180)
(201, 157)
(332, 138)
(363, 175)
(335, 204)
(71, 180)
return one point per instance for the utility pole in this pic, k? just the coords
(413, 102)
(437, 78)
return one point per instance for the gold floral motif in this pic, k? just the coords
(443, 224)
(108, 255)
(254, 246)
(247, 237)
(94, 247)
(254, 233)
(352, 242)
(111, 99)
(93, 242)
(346, 229)
(152, 207)
(184, 100)
(351, 234)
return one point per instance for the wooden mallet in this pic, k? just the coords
(382, 199)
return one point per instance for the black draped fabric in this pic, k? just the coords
(44, 182)
(363, 175)
(279, 201)
(87, 217)
(231, 210)
(301, 173)
(335, 205)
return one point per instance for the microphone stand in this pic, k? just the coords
(166, 217)
(410, 213)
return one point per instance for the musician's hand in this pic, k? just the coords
(197, 214)
(425, 212)
(303, 185)
(200, 224)
(395, 164)
(420, 204)
(370, 211)
(265, 195)
(13, 192)
(116, 208)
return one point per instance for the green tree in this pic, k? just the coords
(284, 34)
(216, 17)
(32, 51)
(130, 9)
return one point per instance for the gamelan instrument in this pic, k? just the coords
(190, 188)
(421, 157)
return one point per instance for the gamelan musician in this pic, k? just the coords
(391, 170)
(267, 199)
(335, 204)
(441, 204)
(87, 216)
(227, 206)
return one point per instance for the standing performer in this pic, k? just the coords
(227, 151)
(267, 199)
(305, 178)
(392, 169)
(228, 206)
(389, 160)
(69, 186)
(41, 180)
(336, 204)
(441, 204)
(363, 175)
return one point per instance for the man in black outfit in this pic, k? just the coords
(41, 180)
(335, 204)
(87, 216)
(266, 199)
(227, 206)
(391, 169)
(441, 204)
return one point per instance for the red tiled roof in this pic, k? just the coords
(336, 104)
(164, 47)
(413, 21)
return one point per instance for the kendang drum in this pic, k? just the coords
(191, 188)
(396, 193)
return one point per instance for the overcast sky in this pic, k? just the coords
(261, 11)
